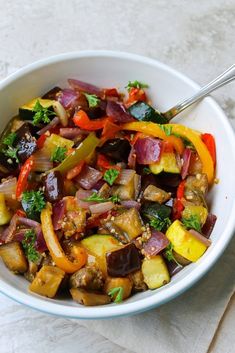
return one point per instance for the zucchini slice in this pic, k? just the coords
(166, 164)
(26, 110)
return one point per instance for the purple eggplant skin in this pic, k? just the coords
(52, 94)
(123, 261)
(26, 143)
(53, 186)
(118, 149)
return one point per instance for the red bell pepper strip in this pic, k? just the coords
(111, 92)
(136, 95)
(109, 131)
(103, 163)
(209, 141)
(41, 140)
(82, 120)
(22, 182)
(178, 205)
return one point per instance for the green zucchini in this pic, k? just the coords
(26, 111)
(144, 112)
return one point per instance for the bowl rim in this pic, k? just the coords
(159, 298)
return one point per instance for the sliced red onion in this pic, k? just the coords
(125, 176)
(132, 158)
(42, 163)
(156, 243)
(118, 112)
(200, 237)
(54, 122)
(81, 86)
(72, 132)
(186, 162)
(209, 225)
(28, 222)
(137, 185)
(101, 207)
(68, 98)
(40, 243)
(148, 150)
(8, 188)
(98, 185)
(19, 234)
(131, 204)
(88, 177)
(58, 214)
(8, 233)
(81, 195)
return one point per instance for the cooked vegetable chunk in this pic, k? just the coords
(144, 112)
(138, 281)
(117, 149)
(25, 142)
(47, 281)
(89, 277)
(155, 272)
(54, 141)
(5, 214)
(26, 111)
(123, 261)
(119, 282)
(195, 210)
(167, 164)
(89, 299)
(53, 183)
(152, 193)
(196, 187)
(184, 243)
(130, 222)
(13, 256)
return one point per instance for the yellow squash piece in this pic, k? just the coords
(155, 272)
(167, 164)
(195, 210)
(184, 243)
(194, 137)
(54, 141)
(5, 214)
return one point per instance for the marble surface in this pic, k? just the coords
(195, 37)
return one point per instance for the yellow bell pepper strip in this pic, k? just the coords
(85, 148)
(55, 249)
(194, 137)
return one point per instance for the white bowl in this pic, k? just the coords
(114, 69)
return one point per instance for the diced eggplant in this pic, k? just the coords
(196, 187)
(26, 144)
(152, 193)
(26, 111)
(173, 267)
(32, 270)
(155, 272)
(47, 281)
(117, 149)
(13, 256)
(88, 298)
(75, 217)
(130, 222)
(52, 94)
(117, 232)
(89, 278)
(124, 192)
(138, 281)
(53, 183)
(104, 191)
(123, 261)
(98, 245)
(144, 112)
(119, 282)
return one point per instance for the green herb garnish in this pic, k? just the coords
(11, 152)
(42, 115)
(146, 170)
(166, 129)
(136, 84)
(111, 175)
(116, 293)
(28, 244)
(169, 253)
(97, 198)
(10, 139)
(92, 99)
(160, 224)
(59, 154)
(33, 203)
(193, 222)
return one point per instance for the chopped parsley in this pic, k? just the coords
(146, 170)
(97, 198)
(169, 253)
(160, 224)
(11, 151)
(136, 84)
(28, 244)
(42, 114)
(116, 294)
(111, 175)
(193, 222)
(166, 128)
(33, 202)
(59, 154)
(92, 99)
